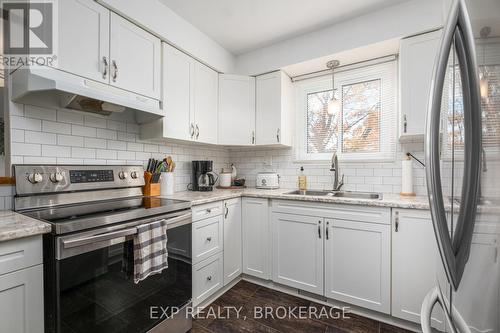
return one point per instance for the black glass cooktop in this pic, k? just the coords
(108, 211)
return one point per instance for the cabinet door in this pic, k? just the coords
(178, 94)
(357, 263)
(414, 264)
(207, 278)
(232, 239)
(135, 58)
(84, 39)
(21, 301)
(417, 55)
(208, 238)
(255, 231)
(268, 109)
(298, 251)
(236, 110)
(205, 103)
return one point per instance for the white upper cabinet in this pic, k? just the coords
(417, 55)
(178, 94)
(274, 109)
(298, 251)
(84, 39)
(190, 91)
(135, 58)
(415, 262)
(206, 87)
(236, 110)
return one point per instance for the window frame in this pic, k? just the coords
(387, 73)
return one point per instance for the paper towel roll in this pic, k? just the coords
(407, 177)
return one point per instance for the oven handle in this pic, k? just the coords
(98, 238)
(80, 241)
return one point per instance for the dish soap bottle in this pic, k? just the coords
(302, 180)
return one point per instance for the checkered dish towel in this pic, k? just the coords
(150, 250)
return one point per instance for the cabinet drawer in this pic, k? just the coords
(207, 238)
(207, 278)
(207, 210)
(20, 253)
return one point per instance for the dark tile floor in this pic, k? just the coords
(249, 298)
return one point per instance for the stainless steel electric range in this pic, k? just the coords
(88, 257)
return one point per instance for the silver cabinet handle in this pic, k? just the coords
(197, 132)
(454, 254)
(227, 210)
(105, 67)
(209, 278)
(209, 239)
(208, 210)
(326, 230)
(278, 135)
(191, 130)
(98, 238)
(115, 70)
(405, 124)
(319, 229)
(396, 223)
(253, 137)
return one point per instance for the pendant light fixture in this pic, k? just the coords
(334, 106)
(483, 75)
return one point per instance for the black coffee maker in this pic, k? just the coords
(204, 178)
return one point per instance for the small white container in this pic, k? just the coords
(225, 179)
(167, 184)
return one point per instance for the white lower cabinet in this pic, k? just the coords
(357, 263)
(21, 286)
(232, 239)
(256, 237)
(415, 262)
(207, 278)
(298, 251)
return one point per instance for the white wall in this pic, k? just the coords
(396, 21)
(161, 20)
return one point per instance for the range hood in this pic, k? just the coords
(53, 88)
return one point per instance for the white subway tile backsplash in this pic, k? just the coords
(124, 136)
(55, 127)
(70, 117)
(83, 153)
(106, 134)
(56, 151)
(69, 140)
(95, 143)
(31, 111)
(40, 137)
(83, 131)
(63, 160)
(17, 135)
(106, 154)
(117, 145)
(135, 146)
(26, 149)
(39, 160)
(25, 123)
(125, 155)
(95, 122)
(116, 125)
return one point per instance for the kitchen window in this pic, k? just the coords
(363, 129)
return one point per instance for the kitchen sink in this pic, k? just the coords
(340, 194)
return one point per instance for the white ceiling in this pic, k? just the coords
(244, 25)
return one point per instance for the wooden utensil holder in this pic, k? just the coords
(150, 189)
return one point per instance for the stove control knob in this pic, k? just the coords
(35, 178)
(134, 175)
(56, 177)
(123, 175)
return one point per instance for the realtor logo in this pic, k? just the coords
(28, 33)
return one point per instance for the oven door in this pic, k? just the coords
(94, 289)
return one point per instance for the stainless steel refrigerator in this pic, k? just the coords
(462, 150)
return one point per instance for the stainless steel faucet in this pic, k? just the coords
(337, 185)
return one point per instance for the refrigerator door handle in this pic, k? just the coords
(455, 321)
(454, 254)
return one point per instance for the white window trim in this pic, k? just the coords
(386, 72)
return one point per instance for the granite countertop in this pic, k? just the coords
(388, 200)
(14, 225)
